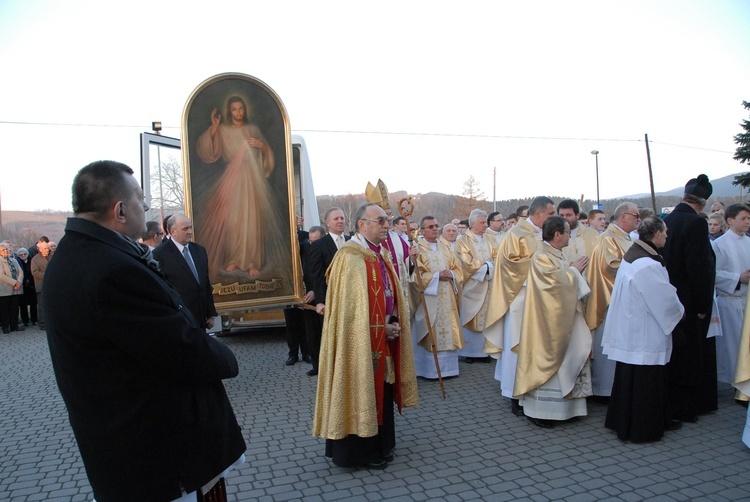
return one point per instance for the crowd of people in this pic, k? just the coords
(643, 313)
(21, 282)
(640, 312)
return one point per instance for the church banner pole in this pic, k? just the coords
(406, 208)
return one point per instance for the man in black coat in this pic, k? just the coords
(321, 256)
(185, 265)
(692, 270)
(141, 380)
(296, 335)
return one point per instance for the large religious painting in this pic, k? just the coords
(236, 146)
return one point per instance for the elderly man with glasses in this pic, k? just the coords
(600, 274)
(438, 279)
(366, 360)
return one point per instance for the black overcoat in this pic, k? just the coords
(141, 380)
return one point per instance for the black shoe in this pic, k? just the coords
(516, 408)
(673, 425)
(25, 324)
(307, 359)
(377, 464)
(6, 330)
(291, 360)
(312, 372)
(691, 419)
(742, 403)
(389, 457)
(540, 422)
(469, 360)
(18, 328)
(600, 399)
(484, 359)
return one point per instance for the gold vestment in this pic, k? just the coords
(549, 310)
(443, 308)
(600, 273)
(345, 401)
(742, 370)
(582, 244)
(511, 269)
(474, 301)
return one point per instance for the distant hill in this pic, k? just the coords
(23, 228)
(723, 188)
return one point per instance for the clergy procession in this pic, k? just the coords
(638, 312)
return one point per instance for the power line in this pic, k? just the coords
(336, 131)
(691, 147)
(456, 135)
(59, 124)
(387, 133)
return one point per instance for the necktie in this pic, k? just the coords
(189, 260)
(340, 241)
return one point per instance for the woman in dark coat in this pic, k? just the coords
(28, 299)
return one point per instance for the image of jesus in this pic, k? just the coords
(240, 202)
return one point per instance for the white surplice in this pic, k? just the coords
(732, 258)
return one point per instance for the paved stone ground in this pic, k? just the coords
(468, 447)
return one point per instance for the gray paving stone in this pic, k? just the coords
(467, 447)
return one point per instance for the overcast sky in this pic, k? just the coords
(420, 94)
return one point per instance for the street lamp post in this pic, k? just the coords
(595, 153)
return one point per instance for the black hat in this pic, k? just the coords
(699, 187)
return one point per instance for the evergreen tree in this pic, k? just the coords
(742, 153)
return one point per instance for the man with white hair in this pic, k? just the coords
(38, 268)
(477, 256)
(449, 236)
(600, 274)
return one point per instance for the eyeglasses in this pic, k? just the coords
(380, 220)
(159, 233)
(635, 215)
(431, 227)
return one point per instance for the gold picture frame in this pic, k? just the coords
(239, 191)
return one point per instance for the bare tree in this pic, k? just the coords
(472, 191)
(167, 190)
(20, 235)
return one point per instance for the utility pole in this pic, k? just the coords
(651, 176)
(494, 182)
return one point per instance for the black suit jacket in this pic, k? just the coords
(141, 380)
(690, 260)
(197, 296)
(305, 248)
(321, 256)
